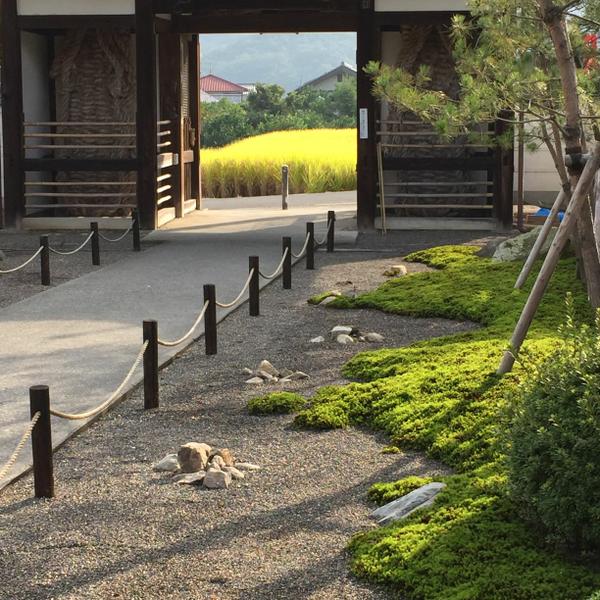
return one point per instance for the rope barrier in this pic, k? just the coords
(109, 400)
(13, 459)
(189, 333)
(276, 272)
(70, 252)
(304, 248)
(239, 296)
(118, 239)
(23, 265)
(321, 242)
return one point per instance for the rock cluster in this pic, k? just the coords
(396, 271)
(199, 464)
(345, 334)
(267, 373)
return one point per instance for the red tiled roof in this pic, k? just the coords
(212, 83)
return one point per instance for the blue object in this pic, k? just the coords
(544, 212)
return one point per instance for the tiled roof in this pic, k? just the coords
(212, 83)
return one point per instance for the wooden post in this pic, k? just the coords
(521, 169)
(147, 114)
(310, 249)
(12, 116)
(331, 231)
(287, 263)
(254, 263)
(210, 319)
(41, 442)
(194, 46)
(504, 175)
(137, 244)
(151, 387)
(45, 259)
(95, 244)
(285, 186)
(565, 229)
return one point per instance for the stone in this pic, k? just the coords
(373, 337)
(190, 478)
(298, 375)
(396, 271)
(217, 462)
(285, 372)
(519, 247)
(216, 479)
(246, 466)
(345, 339)
(266, 376)
(227, 456)
(235, 473)
(317, 340)
(329, 300)
(402, 507)
(247, 371)
(267, 367)
(169, 464)
(192, 457)
(255, 381)
(340, 329)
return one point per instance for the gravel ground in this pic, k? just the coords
(118, 530)
(19, 246)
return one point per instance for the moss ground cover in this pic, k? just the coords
(320, 160)
(442, 396)
(277, 403)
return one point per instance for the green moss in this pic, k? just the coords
(382, 493)
(280, 403)
(391, 450)
(443, 397)
(318, 298)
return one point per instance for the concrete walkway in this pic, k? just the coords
(81, 338)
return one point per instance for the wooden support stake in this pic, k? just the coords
(95, 244)
(331, 231)
(210, 319)
(254, 303)
(565, 229)
(151, 388)
(310, 249)
(287, 263)
(41, 442)
(45, 259)
(285, 186)
(137, 245)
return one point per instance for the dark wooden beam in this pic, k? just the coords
(504, 175)
(194, 75)
(12, 117)
(62, 22)
(146, 121)
(368, 42)
(393, 21)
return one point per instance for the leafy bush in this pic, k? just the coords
(555, 451)
(280, 403)
(382, 493)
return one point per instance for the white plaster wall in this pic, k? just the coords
(76, 7)
(419, 5)
(542, 182)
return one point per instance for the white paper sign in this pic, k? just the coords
(364, 123)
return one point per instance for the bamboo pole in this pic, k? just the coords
(562, 236)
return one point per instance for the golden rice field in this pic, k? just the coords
(320, 160)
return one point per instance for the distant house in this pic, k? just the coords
(329, 80)
(218, 88)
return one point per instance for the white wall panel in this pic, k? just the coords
(76, 7)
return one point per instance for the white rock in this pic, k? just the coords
(345, 339)
(190, 478)
(225, 454)
(267, 367)
(373, 337)
(169, 464)
(298, 375)
(217, 462)
(255, 381)
(285, 372)
(519, 247)
(329, 300)
(285, 380)
(341, 329)
(402, 507)
(246, 466)
(235, 473)
(247, 371)
(317, 340)
(216, 480)
(193, 457)
(266, 376)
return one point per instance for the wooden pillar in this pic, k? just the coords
(504, 176)
(12, 117)
(146, 121)
(195, 116)
(367, 41)
(169, 65)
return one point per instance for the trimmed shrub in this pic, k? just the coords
(279, 403)
(382, 493)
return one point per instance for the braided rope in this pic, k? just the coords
(304, 248)
(13, 458)
(321, 242)
(109, 400)
(279, 267)
(239, 296)
(189, 333)
(70, 252)
(23, 265)
(118, 239)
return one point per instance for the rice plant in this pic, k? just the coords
(320, 160)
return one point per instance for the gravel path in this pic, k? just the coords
(118, 530)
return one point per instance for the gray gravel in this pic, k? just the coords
(118, 530)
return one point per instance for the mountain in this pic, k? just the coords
(287, 59)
